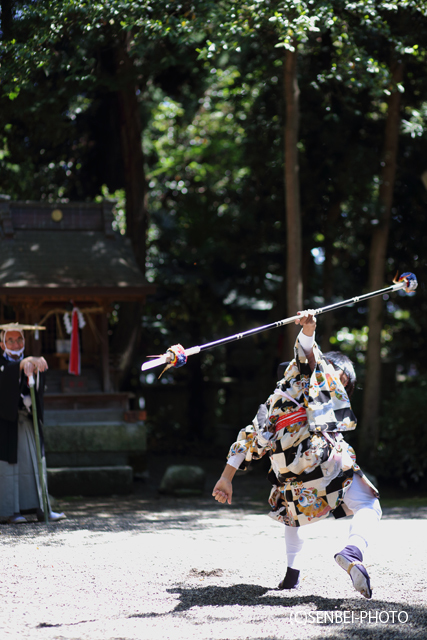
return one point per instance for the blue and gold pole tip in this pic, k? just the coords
(176, 357)
(409, 279)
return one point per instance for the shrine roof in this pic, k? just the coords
(66, 247)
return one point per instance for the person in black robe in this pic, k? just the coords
(20, 487)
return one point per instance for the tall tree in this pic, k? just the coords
(293, 280)
(131, 146)
(285, 24)
(369, 435)
(68, 60)
(84, 49)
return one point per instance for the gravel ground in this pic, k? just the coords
(150, 566)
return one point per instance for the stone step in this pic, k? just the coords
(108, 436)
(87, 401)
(73, 416)
(94, 444)
(90, 481)
(56, 379)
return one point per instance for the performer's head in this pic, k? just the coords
(13, 343)
(342, 363)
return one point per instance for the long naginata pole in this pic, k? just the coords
(38, 449)
(177, 356)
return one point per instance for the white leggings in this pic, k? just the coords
(367, 514)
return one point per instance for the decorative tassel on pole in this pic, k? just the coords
(176, 356)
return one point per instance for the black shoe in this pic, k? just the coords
(350, 559)
(291, 579)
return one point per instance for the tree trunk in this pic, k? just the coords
(128, 334)
(369, 432)
(293, 281)
(133, 157)
(328, 319)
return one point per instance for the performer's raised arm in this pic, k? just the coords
(307, 320)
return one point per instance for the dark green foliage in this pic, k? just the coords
(401, 456)
(209, 80)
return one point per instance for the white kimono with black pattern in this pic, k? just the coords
(300, 427)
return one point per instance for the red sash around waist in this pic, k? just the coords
(291, 418)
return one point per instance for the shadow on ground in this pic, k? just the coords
(375, 619)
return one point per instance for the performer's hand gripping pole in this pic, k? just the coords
(38, 449)
(176, 356)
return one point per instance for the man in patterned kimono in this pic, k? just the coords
(20, 488)
(313, 469)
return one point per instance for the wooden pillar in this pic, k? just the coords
(32, 346)
(105, 354)
(37, 344)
